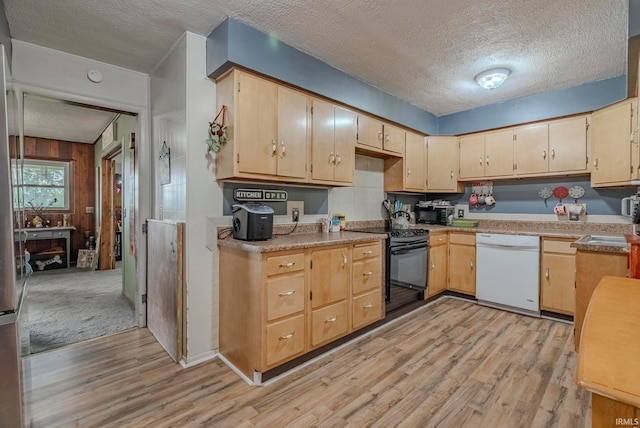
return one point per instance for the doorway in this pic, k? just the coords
(90, 298)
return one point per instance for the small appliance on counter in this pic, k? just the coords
(252, 221)
(631, 208)
(434, 212)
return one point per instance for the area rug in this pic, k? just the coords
(65, 306)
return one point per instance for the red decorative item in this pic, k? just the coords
(560, 192)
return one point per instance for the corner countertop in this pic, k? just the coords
(610, 344)
(301, 240)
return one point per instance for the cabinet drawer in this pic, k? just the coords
(329, 323)
(436, 239)
(285, 295)
(285, 263)
(285, 339)
(366, 250)
(558, 246)
(45, 234)
(367, 275)
(367, 308)
(462, 238)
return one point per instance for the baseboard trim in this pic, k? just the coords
(237, 371)
(207, 356)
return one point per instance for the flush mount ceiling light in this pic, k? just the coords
(493, 78)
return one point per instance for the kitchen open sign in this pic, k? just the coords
(254, 195)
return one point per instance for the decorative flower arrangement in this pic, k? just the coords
(217, 132)
(38, 207)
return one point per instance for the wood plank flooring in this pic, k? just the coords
(450, 364)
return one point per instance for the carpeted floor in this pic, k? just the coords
(65, 306)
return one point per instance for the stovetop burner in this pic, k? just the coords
(394, 233)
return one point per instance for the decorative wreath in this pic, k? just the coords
(217, 132)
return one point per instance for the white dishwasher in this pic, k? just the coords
(507, 272)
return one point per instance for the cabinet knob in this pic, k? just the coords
(433, 266)
(471, 264)
(546, 273)
(367, 306)
(274, 148)
(408, 172)
(553, 153)
(283, 149)
(544, 154)
(480, 161)
(344, 259)
(332, 319)
(286, 336)
(332, 159)
(367, 273)
(451, 174)
(286, 265)
(379, 136)
(367, 252)
(338, 159)
(595, 163)
(487, 160)
(286, 293)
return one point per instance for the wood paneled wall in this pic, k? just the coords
(83, 183)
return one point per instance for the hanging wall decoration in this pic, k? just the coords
(217, 132)
(165, 164)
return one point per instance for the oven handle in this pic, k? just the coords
(408, 249)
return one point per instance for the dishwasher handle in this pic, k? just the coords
(508, 247)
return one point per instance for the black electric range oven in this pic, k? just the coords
(407, 259)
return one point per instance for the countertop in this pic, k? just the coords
(301, 240)
(309, 235)
(610, 344)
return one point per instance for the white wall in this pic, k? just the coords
(183, 102)
(44, 71)
(363, 201)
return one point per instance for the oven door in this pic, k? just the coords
(408, 266)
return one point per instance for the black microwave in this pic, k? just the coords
(434, 214)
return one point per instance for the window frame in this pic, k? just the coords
(67, 165)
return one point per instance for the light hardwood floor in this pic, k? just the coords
(450, 364)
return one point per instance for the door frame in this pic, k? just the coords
(143, 185)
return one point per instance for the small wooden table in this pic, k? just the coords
(609, 359)
(50, 233)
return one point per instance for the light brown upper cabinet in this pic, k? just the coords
(407, 173)
(442, 164)
(487, 155)
(333, 140)
(267, 129)
(380, 136)
(614, 144)
(549, 148)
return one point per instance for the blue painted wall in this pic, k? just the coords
(235, 43)
(564, 102)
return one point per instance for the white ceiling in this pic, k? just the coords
(423, 51)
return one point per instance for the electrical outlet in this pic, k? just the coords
(298, 206)
(460, 213)
(89, 210)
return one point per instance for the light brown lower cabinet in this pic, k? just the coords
(438, 263)
(591, 266)
(558, 276)
(462, 262)
(277, 306)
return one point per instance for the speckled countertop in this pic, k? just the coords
(308, 235)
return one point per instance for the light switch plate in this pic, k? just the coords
(89, 210)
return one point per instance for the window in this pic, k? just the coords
(42, 185)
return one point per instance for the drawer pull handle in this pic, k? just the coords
(367, 252)
(332, 319)
(286, 265)
(546, 273)
(344, 259)
(367, 306)
(286, 293)
(367, 273)
(286, 336)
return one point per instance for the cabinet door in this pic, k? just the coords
(256, 125)
(462, 268)
(611, 145)
(442, 164)
(369, 131)
(498, 151)
(568, 144)
(345, 144)
(414, 162)
(394, 139)
(532, 149)
(471, 156)
(438, 266)
(558, 276)
(322, 141)
(292, 133)
(329, 276)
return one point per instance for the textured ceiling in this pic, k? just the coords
(49, 118)
(423, 51)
